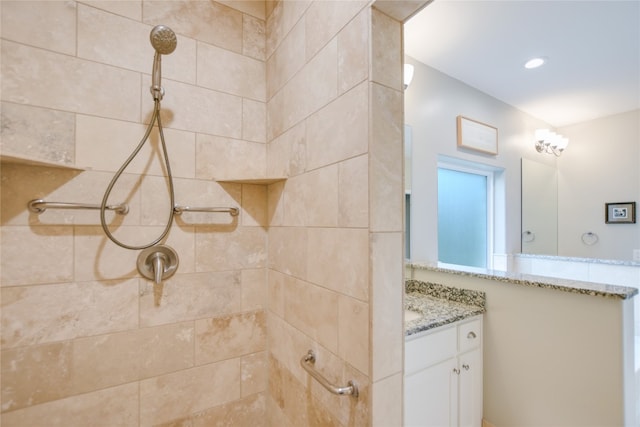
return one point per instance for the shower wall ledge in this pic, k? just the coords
(23, 160)
(260, 181)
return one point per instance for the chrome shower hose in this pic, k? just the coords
(103, 206)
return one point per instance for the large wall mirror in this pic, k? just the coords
(468, 61)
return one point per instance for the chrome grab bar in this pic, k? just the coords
(38, 206)
(179, 209)
(308, 363)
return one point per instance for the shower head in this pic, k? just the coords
(163, 39)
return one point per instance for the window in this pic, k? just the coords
(465, 215)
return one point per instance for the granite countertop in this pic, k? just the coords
(566, 285)
(439, 305)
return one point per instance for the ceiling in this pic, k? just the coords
(592, 50)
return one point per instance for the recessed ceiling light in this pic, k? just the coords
(534, 63)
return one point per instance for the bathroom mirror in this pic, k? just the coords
(539, 208)
(601, 164)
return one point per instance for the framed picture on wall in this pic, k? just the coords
(477, 136)
(620, 213)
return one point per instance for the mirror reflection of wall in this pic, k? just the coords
(539, 208)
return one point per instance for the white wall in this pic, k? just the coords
(600, 166)
(432, 103)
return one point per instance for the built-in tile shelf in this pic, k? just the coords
(259, 181)
(6, 158)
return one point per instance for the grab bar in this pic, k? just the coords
(177, 209)
(38, 206)
(308, 363)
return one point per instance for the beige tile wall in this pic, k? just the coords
(85, 340)
(335, 237)
(303, 89)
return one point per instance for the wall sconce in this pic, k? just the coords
(408, 75)
(550, 142)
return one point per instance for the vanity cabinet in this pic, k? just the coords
(443, 376)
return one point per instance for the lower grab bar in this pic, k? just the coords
(308, 363)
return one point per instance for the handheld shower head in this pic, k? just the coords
(164, 41)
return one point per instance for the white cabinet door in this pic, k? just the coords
(430, 396)
(470, 389)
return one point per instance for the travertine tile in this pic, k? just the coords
(353, 333)
(288, 345)
(386, 160)
(97, 258)
(38, 133)
(296, 191)
(113, 40)
(117, 406)
(254, 205)
(386, 406)
(387, 325)
(200, 193)
(253, 36)
(322, 211)
(347, 137)
(353, 200)
(230, 336)
(255, 8)
(284, 15)
(46, 24)
(386, 45)
(275, 204)
(104, 144)
(287, 391)
(194, 109)
(220, 158)
(66, 311)
(190, 296)
(277, 284)
(130, 9)
(254, 289)
(312, 310)
(286, 60)
(288, 250)
(248, 411)
(194, 18)
(325, 19)
(286, 155)
(353, 52)
(206, 386)
(254, 120)
(71, 84)
(113, 359)
(39, 254)
(320, 77)
(35, 374)
(253, 373)
(245, 247)
(231, 72)
(345, 268)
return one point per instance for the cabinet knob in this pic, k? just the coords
(456, 371)
(466, 367)
(471, 335)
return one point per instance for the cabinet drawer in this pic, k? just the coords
(428, 350)
(470, 335)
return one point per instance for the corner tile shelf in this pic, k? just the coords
(258, 181)
(6, 158)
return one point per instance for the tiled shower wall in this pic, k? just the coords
(85, 340)
(83, 337)
(335, 236)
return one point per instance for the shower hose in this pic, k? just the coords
(105, 198)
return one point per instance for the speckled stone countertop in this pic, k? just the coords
(566, 285)
(439, 305)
